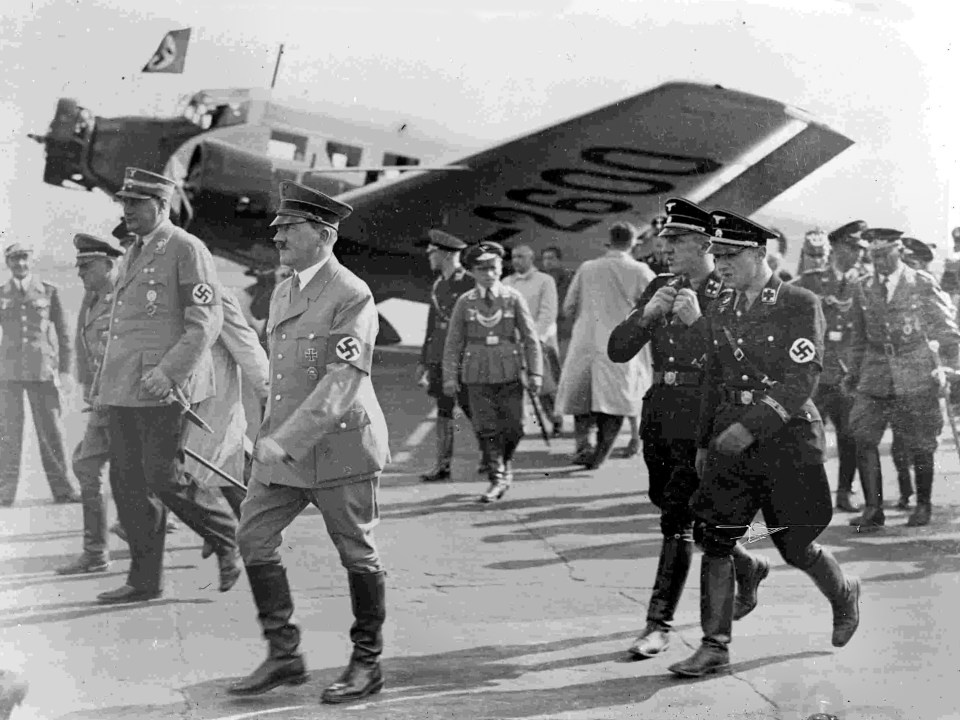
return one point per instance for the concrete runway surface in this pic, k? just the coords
(522, 609)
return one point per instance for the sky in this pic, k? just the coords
(881, 72)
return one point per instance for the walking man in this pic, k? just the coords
(166, 315)
(897, 313)
(595, 390)
(760, 438)
(830, 274)
(97, 260)
(36, 355)
(453, 280)
(323, 442)
(491, 349)
(671, 317)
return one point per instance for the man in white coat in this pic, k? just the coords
(595, 390)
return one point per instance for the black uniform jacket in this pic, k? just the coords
(763, 365)
(672, 404)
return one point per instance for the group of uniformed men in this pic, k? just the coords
(743, 366)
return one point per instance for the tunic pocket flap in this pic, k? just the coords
(351, 420)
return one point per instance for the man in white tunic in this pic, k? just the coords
(595, 390)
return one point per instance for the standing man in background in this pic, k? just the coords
(830, 274)
(595, 390)
(453, 280)
(166, 316)
(540, 292)
(97, 260)
(36, 355)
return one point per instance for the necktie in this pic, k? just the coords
(884, 284)
(488, 298)
(294, 289)
(742, 303)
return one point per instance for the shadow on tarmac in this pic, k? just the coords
(61, 612)
(459, 684)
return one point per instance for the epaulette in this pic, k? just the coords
(666, 274)
(810, 271)
(927, 276)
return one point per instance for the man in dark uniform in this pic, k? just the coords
(36, 355)
(165, 317)
(97, 260)
(670, 316)
(452, 282)
(491, 345)
(760, 444)
(897, 314)
(323, 442)
(830, 275)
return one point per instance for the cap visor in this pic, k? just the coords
(287, 220)
(135, 195)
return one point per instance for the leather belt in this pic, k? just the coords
(891, 350)
(675, 377)
(743, 396)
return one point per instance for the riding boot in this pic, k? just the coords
(672, 571)
(284, 664)
(868, 465)
(923, 467)
(583, 453)
(750, 571)
(608, 427)
(843, 594)
(847, 450)
(717, 587)
(363, 676)
(444, 452)
(496, 470)
(902, 461)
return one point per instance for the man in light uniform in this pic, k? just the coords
(594, 389)
(35, 358)
(97, 260)
(166, 315)
(323, 442)
(540, 292)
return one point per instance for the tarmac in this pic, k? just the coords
(520, 609)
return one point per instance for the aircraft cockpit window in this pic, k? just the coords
(202, 111)
(287, 146)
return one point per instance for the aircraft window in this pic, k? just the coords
(286, 146)
(390, 159)
(342, 155)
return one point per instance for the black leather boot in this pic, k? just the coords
(496, 470)
(672, 571)
(923, 467)
(750, 571)
(716, 618)
(284, 664)
(441, 470)
(583, 452)
(608, 427)
(868, 465)
(843, 594)
(363, 676)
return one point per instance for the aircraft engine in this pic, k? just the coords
(66, 143)
(226, 181)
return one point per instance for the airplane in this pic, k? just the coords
(562, 185)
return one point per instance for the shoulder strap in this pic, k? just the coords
(745, 361)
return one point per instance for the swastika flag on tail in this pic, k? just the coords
(172, 53)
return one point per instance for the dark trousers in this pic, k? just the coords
(835, 406)
(445, 403)
(734, 488)
(673, 480)
(44, 399)
(497, 410)
(144, 447)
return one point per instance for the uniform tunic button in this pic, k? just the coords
(119, 302)
(279, 376)
(279, 356)
(769, 338)
(739, 313)
(343, 425)
(152, 282)
(276, 397)
(115, 337)
(670, 341)
(744, 377)
(739, 341)
(283, 336)
(311, 336)
(670, 359)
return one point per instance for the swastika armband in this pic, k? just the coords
(200, 293)
(351, 350)
(802, 350)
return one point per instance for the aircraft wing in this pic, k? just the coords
(565, 184)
